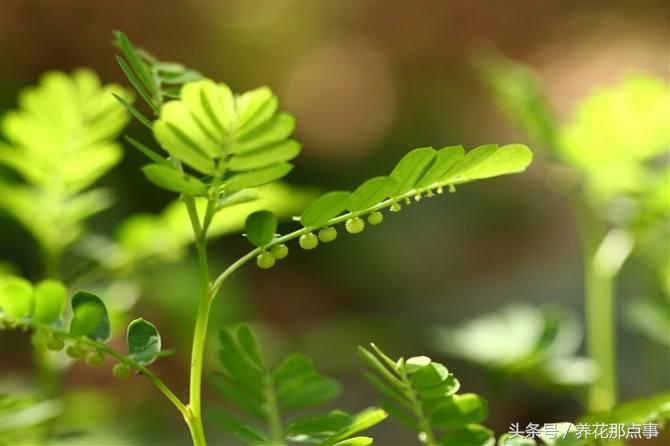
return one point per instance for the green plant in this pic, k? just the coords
(608, 160)
(221, 151)
(422, 394)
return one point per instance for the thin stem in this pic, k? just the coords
(272, 412)
(600, 314)
(155, 380)
(201, 322)
(424, 422)
(216, 286)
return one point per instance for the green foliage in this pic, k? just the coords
(60, 141)
(260, 227)
(653, 409)
(266, 394)
(144, 341)
(41, 309)
(422, 394)
(421, 171)
(239, 141)
(521, 340)
(155, 81)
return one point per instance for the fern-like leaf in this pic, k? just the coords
(61, 141)
(422, 394)
(264, 395)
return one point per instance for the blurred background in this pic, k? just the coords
(367, 81)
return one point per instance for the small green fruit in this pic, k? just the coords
(279, 251)
(355, 225)
(75, 351)
(327, 234)
(265, 260)
(308, 241)
(396, 207)
(375, 218)
(95, 358)
(55, 344)
(121, 371)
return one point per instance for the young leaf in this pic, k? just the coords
(446, 162)
(144, 341)
(324, 208)
(16, 296)
(170, 178)
(471, 435)
(423, 397)
(371, 192)
(90, 317)
(209, 124)
(410, 169)
(50, 297)
(299, 385)
(259, 177)
(260, 228)
(266, 395)
(57, 159)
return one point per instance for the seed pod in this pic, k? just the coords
(396, 207)
(417, 197)
(440, 190)
(408, 201)
(95, 358)
(452, 188)
(55, 344)
(355, 225)
(328, 234)
(308, 241)
(279, 251)
(121, 371)
(75, 351)
(375, 218)
(430, 193)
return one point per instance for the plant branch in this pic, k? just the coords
(155, 380)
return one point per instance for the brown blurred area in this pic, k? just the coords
(368, 81)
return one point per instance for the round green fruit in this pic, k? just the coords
(265, 260)
(396, 207)
(96, 358)
(355, 225)
(308, 241)
(75, 351)
(279, 251)
(121, 371)
(327, 234)
(375, 218)
(55, 344)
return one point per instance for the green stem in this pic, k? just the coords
(155, 380)
(424, 422)
(272, 411)
(600, 315)
(201, 323)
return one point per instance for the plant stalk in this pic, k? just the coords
(600, 314)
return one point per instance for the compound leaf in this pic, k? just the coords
(171, 178)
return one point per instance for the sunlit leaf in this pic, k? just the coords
(16, 296)
(50, 297)
(172, 179)
(324, 208)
